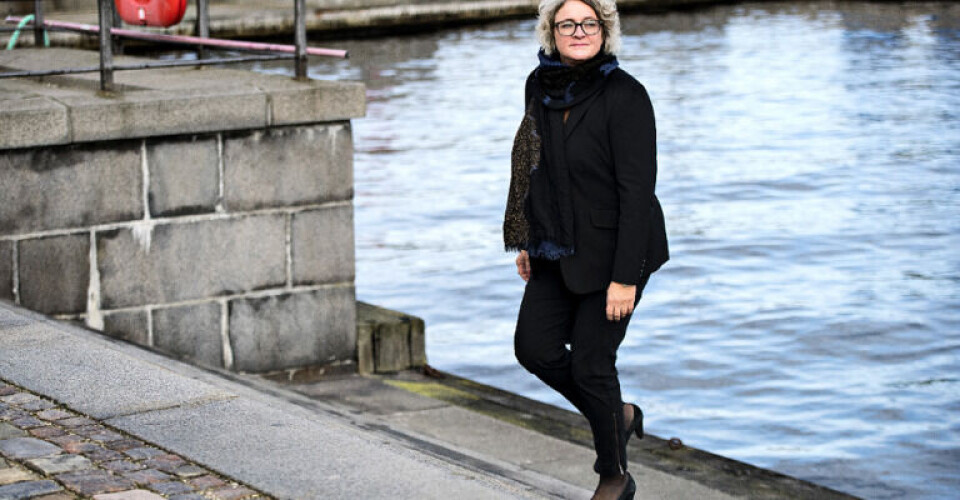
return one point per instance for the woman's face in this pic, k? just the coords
(578, 47)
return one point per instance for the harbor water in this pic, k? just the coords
(809, 169)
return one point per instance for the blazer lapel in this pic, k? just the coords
(576, 115)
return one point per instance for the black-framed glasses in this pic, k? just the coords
(568, 27)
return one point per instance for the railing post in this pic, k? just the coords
(202, 28)
(116, 22)
(38, 23)
(106, 45)
(300, 39)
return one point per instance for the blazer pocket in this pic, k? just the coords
(606, 219)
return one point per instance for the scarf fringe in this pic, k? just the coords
(549, 250)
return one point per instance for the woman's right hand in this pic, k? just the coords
(523, 265)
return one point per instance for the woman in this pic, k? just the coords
(583, 214)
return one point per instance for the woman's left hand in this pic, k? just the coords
(620, 300)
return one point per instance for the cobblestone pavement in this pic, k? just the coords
(49, 452)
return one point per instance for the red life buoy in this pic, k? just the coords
(161, 13)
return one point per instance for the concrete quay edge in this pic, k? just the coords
(716, 472)
(160, 102)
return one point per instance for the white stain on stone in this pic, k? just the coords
(289, 249)
(149, 312)
(145, 172)
(94, 316)
(225, 335)
(333, 133)
(219, 208)
(143, 234)
(142, 231)
(16, 272)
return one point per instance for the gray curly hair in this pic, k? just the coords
(606, 11)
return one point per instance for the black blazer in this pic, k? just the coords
(610, 146)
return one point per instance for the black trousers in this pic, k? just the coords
(551, 318)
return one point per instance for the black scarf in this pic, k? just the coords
(539, 216)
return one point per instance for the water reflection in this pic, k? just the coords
(810, 173)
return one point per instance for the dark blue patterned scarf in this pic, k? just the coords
(548, 206)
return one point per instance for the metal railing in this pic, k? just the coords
(107, 30)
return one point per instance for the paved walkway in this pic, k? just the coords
(82, 414)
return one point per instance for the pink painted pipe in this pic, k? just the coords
(191, 40)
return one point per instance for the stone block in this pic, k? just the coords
(106, 436)
(8, 431)
(61, 463)
(188, 471)
(397, 341)
(418, 342)
(10, 475)
(391, 347)
(189, 496)
(144, 452)
(190, 332)
(171, 488)
(93, 482)
(6, 270)
(70, 186)
(27, 422)
(147, 476)
(128, 325)
(129, 495)
(76, 422)
(23, 448)
(365, 360)
(33, 122)
(207, 481)
(287, 166)
(121, 466)
(53, 414)
(40, 404)
(101, 454)
(323, 245)
(55, 273)
(166, 463)
(19, 398)
(152, 113)
(56, 496)
(29, 489)
(184, 261)
(288, 331)
(184, 175)
(325, 101)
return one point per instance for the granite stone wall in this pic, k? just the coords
(230, 249)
